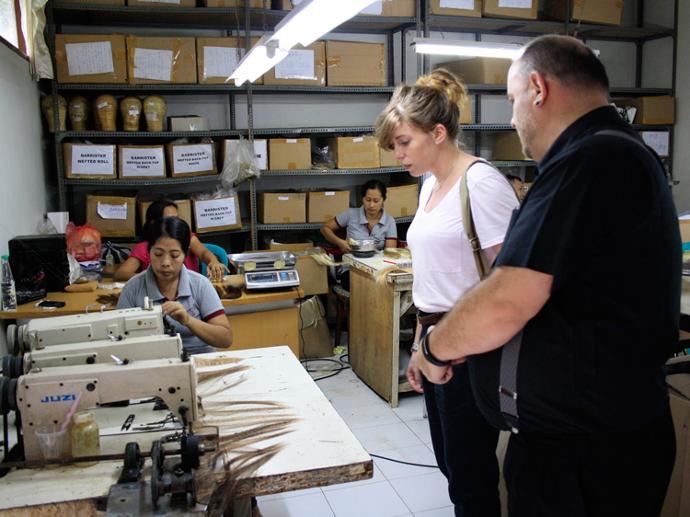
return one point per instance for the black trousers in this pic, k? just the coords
(603, 475)
(464, 445)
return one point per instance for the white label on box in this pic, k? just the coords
(329, 193)
(283, 198)
(215, 212)
(515, 4)
(299, 64)
(92, 159)
(290, 140)
(358, 139)
(153, 64)
(89, 58)
(375, 8)
(457, 4)
(108, 211)
(221, 61)
(176, 2)
(192, 158)
(657, 140)
(142, 162)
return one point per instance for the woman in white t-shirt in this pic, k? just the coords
(420, 124)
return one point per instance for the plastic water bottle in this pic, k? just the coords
(9, 293)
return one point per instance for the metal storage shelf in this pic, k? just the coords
(169, 135)
(332, 172)
(124, 183)
(180, 89)
(311, 226)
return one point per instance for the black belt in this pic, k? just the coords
(426, 319)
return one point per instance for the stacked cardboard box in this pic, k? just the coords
(161, 60)
(479, 70)
(86, 161)
(402, 201)
(355, 64)
(91, 58)
(220, 213)
(303, 66)
(217, 59)
(607, 12)
(282, 207)
(141, 161)
(356, 152)
(191, 159)
(324, 206)
(113, 216)
(458, 8)
(526, 10)
(184, 210)
(289, 153)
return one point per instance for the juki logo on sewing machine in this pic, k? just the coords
(49, 399)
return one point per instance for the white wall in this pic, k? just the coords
(22, 171)
(681, 149)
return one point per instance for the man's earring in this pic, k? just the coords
(537, 102)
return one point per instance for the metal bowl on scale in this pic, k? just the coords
(362, 248)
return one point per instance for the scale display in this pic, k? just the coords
(271, 279)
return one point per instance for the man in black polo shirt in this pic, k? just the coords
(567, 338)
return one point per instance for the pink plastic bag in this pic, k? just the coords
(83, 242)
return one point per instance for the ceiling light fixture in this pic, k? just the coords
(467, 48)
(261, 58)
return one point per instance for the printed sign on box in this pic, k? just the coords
(142, 162)
(212, 215)
(191, 159)
(89, 161)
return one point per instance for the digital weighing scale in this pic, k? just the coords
(266, 270)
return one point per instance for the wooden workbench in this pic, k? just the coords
(374, 324)
(258, 319)
(318, 449)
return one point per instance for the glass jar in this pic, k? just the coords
(84, 437)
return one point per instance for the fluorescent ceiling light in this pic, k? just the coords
(311, 19)
(467, 48)
(261, 58)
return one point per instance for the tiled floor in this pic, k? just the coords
(395, 489)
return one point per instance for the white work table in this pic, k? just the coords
(318, 448)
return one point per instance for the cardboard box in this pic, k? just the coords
(314, 336)
(324, 206)
(282, 207)
(460, 8)
(188, 123)
(161, 60)
(254, 4)
(659, 109)
(289, 154)
(91, 58)
(351, 63)
(684, 229)
(506, 146)
(184, 210)
(479, 70)
(492, 8)
(290, 246)
(85, 161)
(217, 215)
(191, 159)
(141, 161)
(402, 201)
(113, 216)
(677, 503)
(400, 8)
(162, 3)
(303, 66)
(260, 152)
(217, 59)
(356, 152)
(607, 12)
(387, 158)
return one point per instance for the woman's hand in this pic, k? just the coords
(216, 271)
(177, 312)
(344, 246)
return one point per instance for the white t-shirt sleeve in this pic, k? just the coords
(492, 200)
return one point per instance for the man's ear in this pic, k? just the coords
(539, 90)
(439, 133)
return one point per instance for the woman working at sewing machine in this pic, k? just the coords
(188, 298)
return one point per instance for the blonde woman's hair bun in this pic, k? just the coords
(447, 82)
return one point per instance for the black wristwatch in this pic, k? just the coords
(424, 345)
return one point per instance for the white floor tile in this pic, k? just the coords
(378, 477)
(410, 406)
(312, 505)
(418, 454)
(374, 500)
(420, 427)
(386, 437)
(448, 511)
(366, 415)
(425, 492)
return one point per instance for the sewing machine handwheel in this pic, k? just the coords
(190, 452)
(12, 339)
(157, 459)
(133, 458)
(8, 395)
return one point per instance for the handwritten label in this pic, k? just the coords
(221, 61)
(216, 212)
(89, 58)
(192, 158)
(93, 160)
(299, 64)
(153, 64)
(109, 211)
(515, 4)
(457, 4)
(657, 140)
(149, 162)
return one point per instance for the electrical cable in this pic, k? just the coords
(403, 462)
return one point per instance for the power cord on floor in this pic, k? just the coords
(335, 371)
(404, 462)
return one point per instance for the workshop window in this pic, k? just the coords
(13, 24)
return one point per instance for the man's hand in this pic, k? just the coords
(434, 374)
(414, 374)
(176, 311)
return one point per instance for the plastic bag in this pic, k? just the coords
(46, 227)
(322, 156)
(41, 63)
(83, 242)
(239, 165)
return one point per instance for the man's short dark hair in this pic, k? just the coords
(566, 59)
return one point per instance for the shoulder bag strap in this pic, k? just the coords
(468, 223)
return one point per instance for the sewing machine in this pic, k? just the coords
(46, 395)
(93, 352)
(80, 328)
